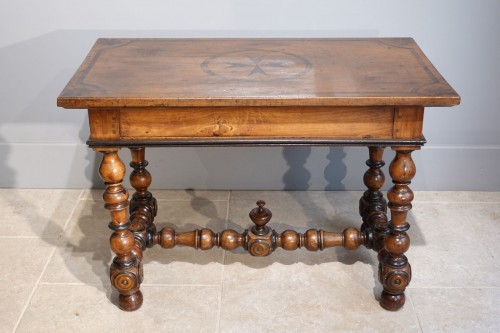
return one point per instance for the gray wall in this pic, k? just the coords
(43, 42)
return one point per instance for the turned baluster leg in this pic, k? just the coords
(372, 205)
(143, 207)
(126, 269)
(394, 269)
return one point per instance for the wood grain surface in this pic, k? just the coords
(256, 72)
(360, 122)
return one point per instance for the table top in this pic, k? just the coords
(256, 72)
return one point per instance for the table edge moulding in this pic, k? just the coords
(369, 92)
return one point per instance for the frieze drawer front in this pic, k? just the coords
(259, 122)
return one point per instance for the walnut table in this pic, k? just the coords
(257, 92)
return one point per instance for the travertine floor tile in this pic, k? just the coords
(22, 260)
(190, 195)
(456, 245)
(332, 211)
(298, 297)
(335, 290)
(36, 213)
(185, 265)
(84, 254)
(457, 309)
(14, 299)
(454, 257)
(85, 308)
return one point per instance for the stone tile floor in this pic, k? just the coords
(55, 259)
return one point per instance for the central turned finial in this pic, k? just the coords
(260, 241)
(260, 216)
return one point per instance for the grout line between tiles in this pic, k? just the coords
(416, 312)
(178, 285)
(217, 285)
(49, 259)
(69, 284)
(214, 200)
(464, 287)
(30, 237)
(89, 198)
(162, 200)
(457, 202)
(142, 284)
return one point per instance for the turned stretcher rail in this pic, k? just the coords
(260, 240)
(312, 240)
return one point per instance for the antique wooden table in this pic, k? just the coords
(259, 92)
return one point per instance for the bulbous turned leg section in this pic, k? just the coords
(372, 205)
(127, 280)
(394, 269)
(126, 269)
(143, 206)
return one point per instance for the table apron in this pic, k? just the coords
(257, 126)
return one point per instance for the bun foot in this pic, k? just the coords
(392, 302)
(130, 302)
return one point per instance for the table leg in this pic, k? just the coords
(372, 205)
(143, 206)
(126, 269)
(394, 269)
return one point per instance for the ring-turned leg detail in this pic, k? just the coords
(143, 206)
(394, 269)
(372, 205)
(126, 269)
